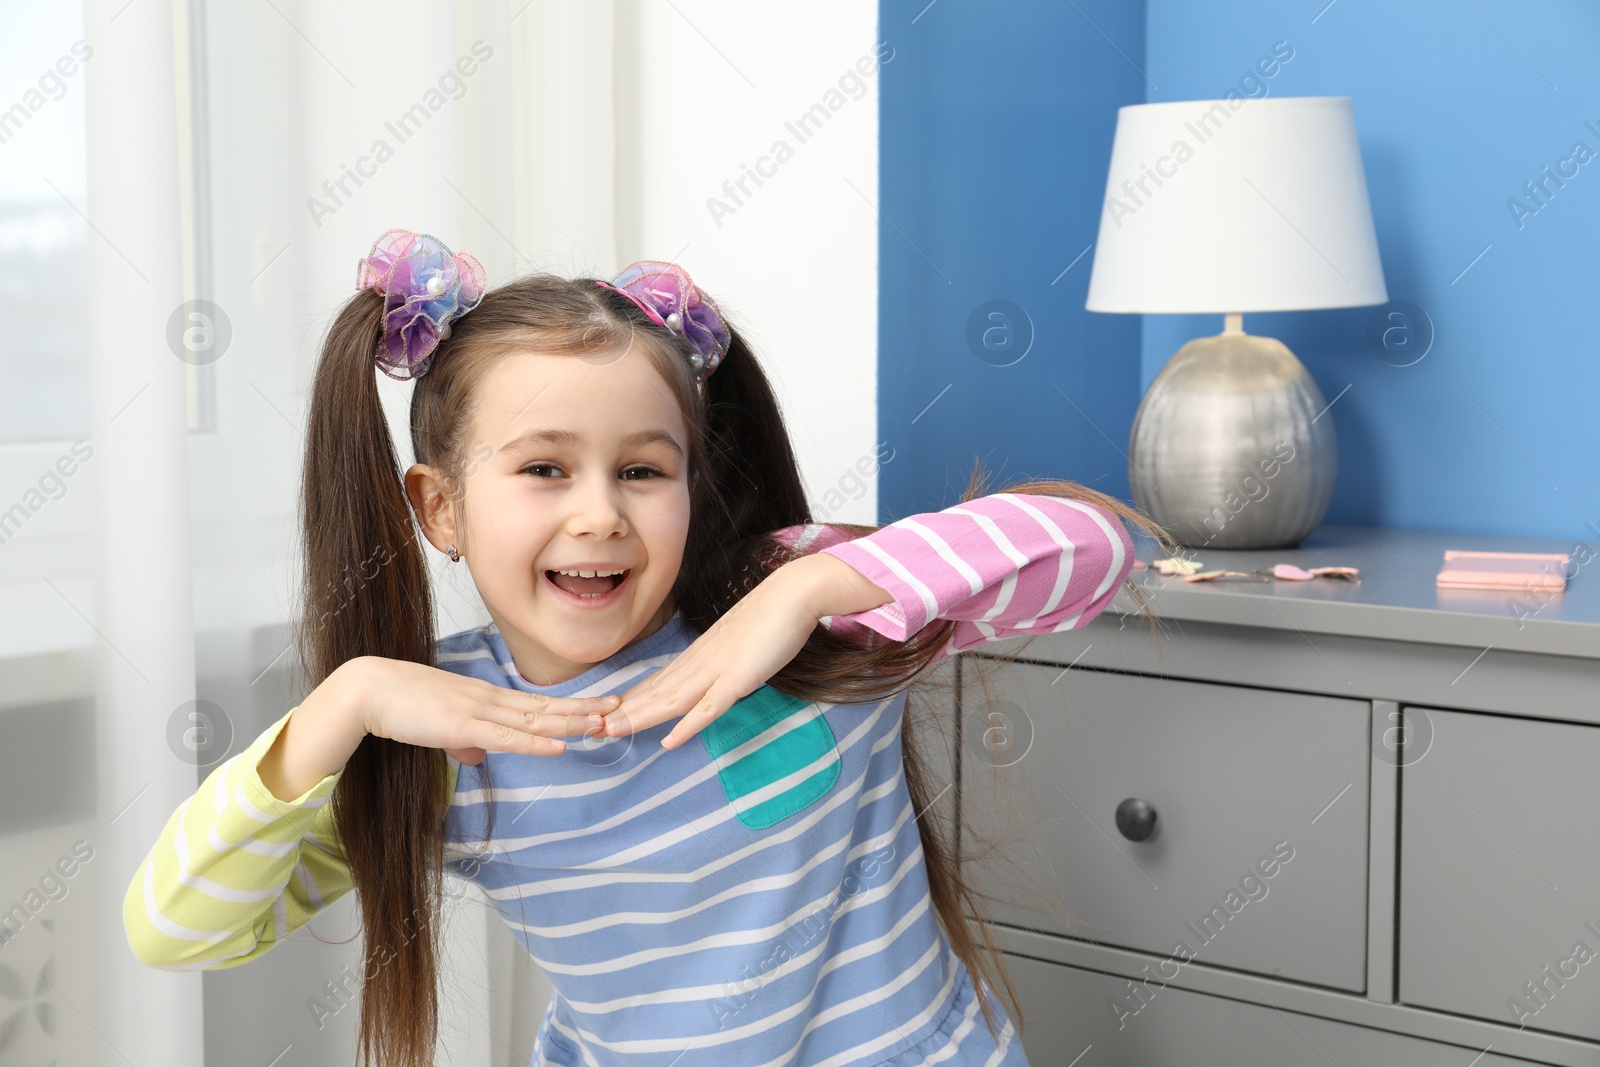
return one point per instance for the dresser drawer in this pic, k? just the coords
(1259, 855)
(1499, 874)
(1067, 1010)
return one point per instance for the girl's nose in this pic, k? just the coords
(597, 508)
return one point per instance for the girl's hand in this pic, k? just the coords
(750, 643)
(466, 717)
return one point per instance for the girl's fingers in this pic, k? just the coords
(708, 710)
(643, 707)
(502, 737)
(630, 720)
(640, 709)
(547, 716)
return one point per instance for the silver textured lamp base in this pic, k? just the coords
(1232, 446)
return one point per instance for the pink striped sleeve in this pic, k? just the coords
(1002, 565)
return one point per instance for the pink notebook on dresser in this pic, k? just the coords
(1503, 570)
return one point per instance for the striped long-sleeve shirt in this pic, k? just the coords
(760, 896)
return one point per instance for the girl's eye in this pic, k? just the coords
(648, 472)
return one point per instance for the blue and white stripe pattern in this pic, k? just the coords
(677, 935)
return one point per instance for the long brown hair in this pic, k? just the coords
(366, 593)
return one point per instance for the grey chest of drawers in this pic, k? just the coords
(1311, 823)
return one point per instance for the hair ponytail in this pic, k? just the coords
(742, 446)
(366, 593)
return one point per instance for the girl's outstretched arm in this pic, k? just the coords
(1004, 565)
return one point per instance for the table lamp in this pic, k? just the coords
(1234, 206)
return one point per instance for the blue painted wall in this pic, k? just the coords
(996, 128)
(1457, 106)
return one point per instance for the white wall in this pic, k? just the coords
(796, 265)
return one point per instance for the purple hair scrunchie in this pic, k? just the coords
(425, 288)
(666, 294)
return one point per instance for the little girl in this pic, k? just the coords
(610, 461)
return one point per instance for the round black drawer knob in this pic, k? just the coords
(1136, 820)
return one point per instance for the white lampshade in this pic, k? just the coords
(1236, 206)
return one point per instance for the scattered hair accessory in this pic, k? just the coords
(1189, 570)
(425, 288)
(1173, 566)
(1289, 572)
(1206, 576)
(665, 293)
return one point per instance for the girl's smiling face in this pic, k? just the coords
(573, 463)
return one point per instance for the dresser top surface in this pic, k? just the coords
(1397, 598)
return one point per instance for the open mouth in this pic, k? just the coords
(597, 588)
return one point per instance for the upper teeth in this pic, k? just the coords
(589, 574)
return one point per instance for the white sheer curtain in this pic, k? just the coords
(214, 170)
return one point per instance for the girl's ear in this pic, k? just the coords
(430, 501)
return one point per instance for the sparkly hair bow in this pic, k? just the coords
(664, 292)
(425, 287)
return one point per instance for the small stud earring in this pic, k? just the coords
(455, 557)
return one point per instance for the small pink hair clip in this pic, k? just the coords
(1289, 572)
(425, 288)
(665, 293)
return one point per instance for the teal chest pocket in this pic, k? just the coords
(774, 753)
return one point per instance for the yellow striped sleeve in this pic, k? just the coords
(235, 870)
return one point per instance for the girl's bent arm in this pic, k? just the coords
(1006, 564)
(230, 875)
(318, 738)
(255, 853)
